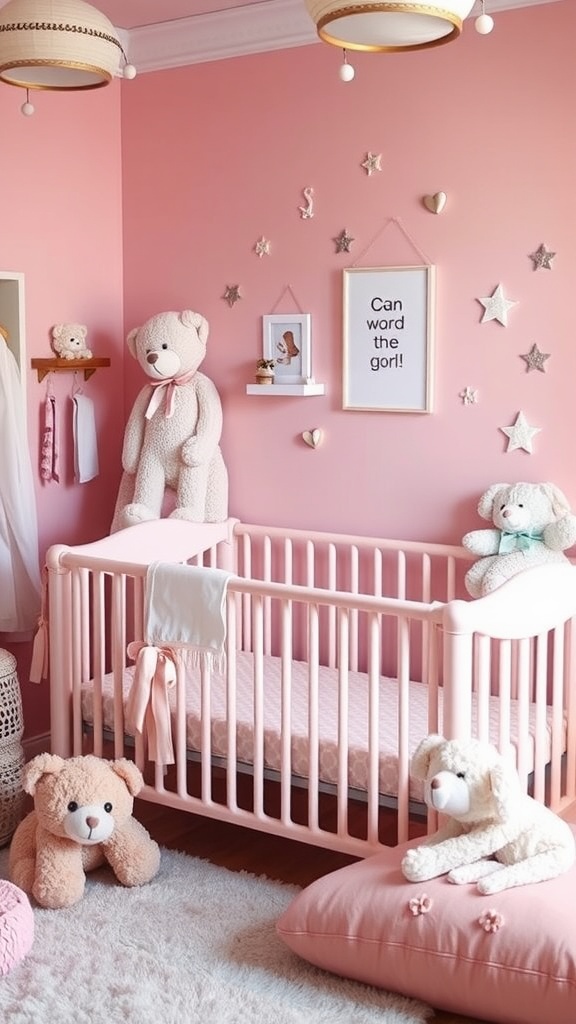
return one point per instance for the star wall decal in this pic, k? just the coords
(535, 359)
(232, 294)
(542, 258)
(469, 396)
(343, 241)
(496, 306)
(372, 163)
(520, 434)
(262, 247)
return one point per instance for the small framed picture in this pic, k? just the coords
(286, 340)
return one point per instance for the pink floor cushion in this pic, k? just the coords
(509, 957)
(16, 926)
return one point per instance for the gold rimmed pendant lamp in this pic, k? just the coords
(59, 44)
(395, 25)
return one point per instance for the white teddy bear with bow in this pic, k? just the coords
(172, 438)
(532, 524)
(495, 835)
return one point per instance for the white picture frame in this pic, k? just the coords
(388, 339)
(286, 338)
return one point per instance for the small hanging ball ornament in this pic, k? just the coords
(346, 72)
(27, 108)
(129, 71)
(484, 24)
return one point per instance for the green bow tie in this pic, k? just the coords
(517, 541)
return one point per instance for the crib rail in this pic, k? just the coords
(350, 650)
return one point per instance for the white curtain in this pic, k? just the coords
(20, 586)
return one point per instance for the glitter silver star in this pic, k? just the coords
(542, 258)
(343, 241)
(262, 247)
(372, 163)
(469, 396)
(496, 306)
(232, 294)
(520, 434)
(535, 359)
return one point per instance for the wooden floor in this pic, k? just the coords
(239, 849)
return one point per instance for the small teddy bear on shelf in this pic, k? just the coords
(69, 341)
(495, 835)
(533, 525)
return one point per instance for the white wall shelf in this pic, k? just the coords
(294, 390)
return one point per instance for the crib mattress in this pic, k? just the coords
(328, 745)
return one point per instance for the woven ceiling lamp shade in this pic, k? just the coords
(58, 44)
(387, 27)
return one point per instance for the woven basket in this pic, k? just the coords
(11, 752)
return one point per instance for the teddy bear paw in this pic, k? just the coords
(137, 513)
(418, 864)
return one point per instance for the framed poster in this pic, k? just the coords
(286, 340)
(388, 338)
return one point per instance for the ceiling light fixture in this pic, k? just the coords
(59, 44)
(393, 25)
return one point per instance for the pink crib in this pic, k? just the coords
(341, 653)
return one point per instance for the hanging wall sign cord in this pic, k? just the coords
(380, 232)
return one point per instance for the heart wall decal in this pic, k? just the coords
(435, 203)
(313, 438)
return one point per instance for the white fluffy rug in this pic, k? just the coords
(195, 946)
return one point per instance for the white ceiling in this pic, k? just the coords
(136, 13)
(130, 14)
(159, 34)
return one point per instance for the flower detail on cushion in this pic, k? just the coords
(420, 904)
(491, 921)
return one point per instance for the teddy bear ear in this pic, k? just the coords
(196, 320)
(131, 341)
(422, 756)
(487, 500)
(129, 773)
(558, 500)
(43, 764)
(57, 330)
(505, 786)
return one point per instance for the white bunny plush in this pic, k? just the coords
(495, 835)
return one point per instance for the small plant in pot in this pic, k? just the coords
(265, 371)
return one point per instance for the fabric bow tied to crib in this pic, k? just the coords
(517, 541)
(184, 628)
(148, 706)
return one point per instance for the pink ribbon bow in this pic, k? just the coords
(148, 707)
(158, 387)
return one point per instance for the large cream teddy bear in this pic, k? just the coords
(172, 438)
(532, 524)
(495, 835)
(82, 818)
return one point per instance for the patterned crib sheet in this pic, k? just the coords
(328, 745)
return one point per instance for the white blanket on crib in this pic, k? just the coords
(184, 621)
(185, 608)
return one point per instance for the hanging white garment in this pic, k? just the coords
(20, 589)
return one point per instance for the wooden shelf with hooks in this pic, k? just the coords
(87, 366)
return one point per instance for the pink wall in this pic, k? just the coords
(61, 218)
(195, 164)
(216, 155)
